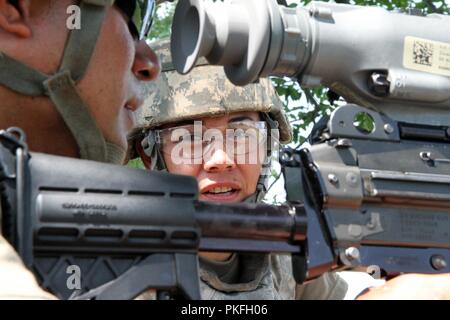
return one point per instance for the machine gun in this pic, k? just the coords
(373, 197)
(126, 230)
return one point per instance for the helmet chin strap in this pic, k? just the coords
(153, 152)
(261, 188)
(115, 154)
(61, 87)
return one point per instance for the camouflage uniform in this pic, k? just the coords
(206, 92)
(267, 277)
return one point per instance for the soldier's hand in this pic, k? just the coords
(17, 282)
(412, 287)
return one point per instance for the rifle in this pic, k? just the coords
(126, 230)
(352, 202)
(373, 196)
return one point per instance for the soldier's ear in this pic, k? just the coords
(145, 159)
(14, 16)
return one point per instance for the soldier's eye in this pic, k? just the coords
(188, 138)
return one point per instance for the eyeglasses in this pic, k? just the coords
(193, 142)
(140, 14)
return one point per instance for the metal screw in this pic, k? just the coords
(355, 230)
(344, 143)
(438, 262)
(333, 178)
(352, 253)
(388, 128)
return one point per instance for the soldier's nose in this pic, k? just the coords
(146, 66)
(218, 160)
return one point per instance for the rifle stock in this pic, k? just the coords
(127, 230)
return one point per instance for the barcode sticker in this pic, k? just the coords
(427, 56)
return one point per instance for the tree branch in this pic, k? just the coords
(272, 184)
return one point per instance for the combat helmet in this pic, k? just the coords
(61, 87)
(204, 92)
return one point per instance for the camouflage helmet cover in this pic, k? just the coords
(204, 92)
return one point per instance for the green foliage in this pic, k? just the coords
(364, 122)
(136, 163)
(162, 24)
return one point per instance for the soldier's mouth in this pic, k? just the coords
(220, 192)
